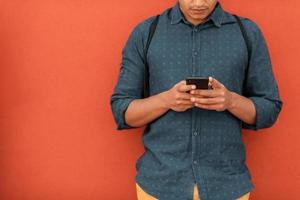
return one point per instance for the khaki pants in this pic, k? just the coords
(142, 195)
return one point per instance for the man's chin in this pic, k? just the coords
(198, 16)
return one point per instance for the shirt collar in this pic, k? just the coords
(216, 16)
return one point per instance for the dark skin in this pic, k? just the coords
(196, 11)
(181, 96)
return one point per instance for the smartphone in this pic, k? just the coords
(200, 82)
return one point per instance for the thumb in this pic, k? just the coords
(215, 83)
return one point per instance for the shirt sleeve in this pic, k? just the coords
(130, 80)
(261, 86)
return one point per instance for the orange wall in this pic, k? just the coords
(59, 63)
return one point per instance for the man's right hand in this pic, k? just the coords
(178, 97)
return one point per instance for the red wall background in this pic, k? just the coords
(59, 62)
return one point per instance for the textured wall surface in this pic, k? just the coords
(59, 61)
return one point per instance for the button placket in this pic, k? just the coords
(195, 133)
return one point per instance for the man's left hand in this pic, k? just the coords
(218, 98)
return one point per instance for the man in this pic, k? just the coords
(193, 138)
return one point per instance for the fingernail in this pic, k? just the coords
(192, 99)
(193, 87)
(192, 92)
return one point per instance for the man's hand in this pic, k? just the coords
(178, 97)
(219, 98)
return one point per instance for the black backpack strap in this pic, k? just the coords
(150, 36)
(247, 41)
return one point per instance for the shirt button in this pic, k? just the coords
(195, 162)
(195, 133)
(195, 53)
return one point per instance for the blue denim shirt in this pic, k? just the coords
(197, 145)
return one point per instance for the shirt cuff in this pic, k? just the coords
(121, 123)
(259, 104)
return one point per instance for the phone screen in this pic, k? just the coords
(200, 82)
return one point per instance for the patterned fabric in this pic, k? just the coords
(142, 195)
(198, 145)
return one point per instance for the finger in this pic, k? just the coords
(185, 88)
(185, 96)
(215, 83)
(209, 107)
(183, 82)
(209, 101)
(192, 92)
(208, 93)
(210, 82)
(191, 106)
(184, 102)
